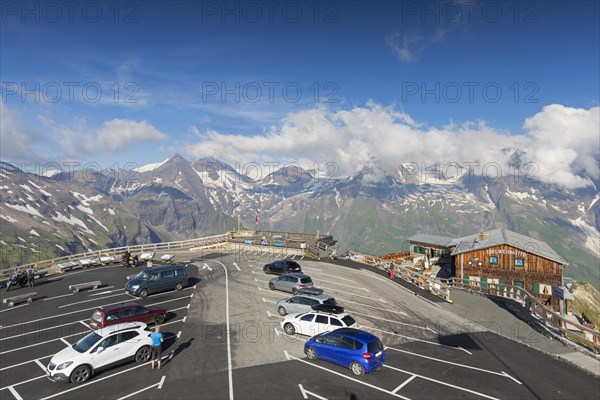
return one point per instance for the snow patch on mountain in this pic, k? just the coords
(26, 208)
(592, 241)
(149, 167)
(71, 220)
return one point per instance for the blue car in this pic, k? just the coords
(358, 350)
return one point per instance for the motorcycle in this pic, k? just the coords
(19, 278)
(133, 261)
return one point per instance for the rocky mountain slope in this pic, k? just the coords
(372, 211)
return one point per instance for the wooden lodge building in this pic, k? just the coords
(498, 257)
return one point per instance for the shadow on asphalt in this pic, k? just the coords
(175, 352)
(463, 340)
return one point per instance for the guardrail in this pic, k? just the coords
(551, 319)
(155, 247)
(433, 285)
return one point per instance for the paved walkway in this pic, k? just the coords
(502, 318)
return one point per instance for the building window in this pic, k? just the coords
(493, 260)
(419, 249)
(519, 262)
(518, 284)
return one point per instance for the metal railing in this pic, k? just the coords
(578, 333)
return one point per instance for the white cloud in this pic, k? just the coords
(17, 137)
(114, 135)
(561, 141)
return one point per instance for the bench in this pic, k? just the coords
(87, 285)
(68, 265)
(107, 260)
(28, 297)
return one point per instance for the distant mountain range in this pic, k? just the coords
(372, 211)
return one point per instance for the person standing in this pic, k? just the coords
(392, 271)
(30, 276)
(157, 339)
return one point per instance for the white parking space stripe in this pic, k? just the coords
(96, 299)
(13, 308)
(457, 364)
(312, 269)
(268, 301)
(390, 320)
(27, 381)
(96, 380)
(289, 357)
(44, 342)
(305, 393)
(140, 391)
(86, 325)
(14, 393)
(25, 362)
(42, 366)
(442, 383)
(65, 342)
(39, 330)
(334, 276)
(406, 382)
(162, 381)
(413, 338)
(101, 288)
(93, 308)
(106, 292)
(353, 294)
(58, 297)
(375, 307)
(343, 284)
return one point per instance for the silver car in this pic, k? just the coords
(291, 282)
(302, 303)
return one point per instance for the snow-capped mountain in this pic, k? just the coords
(372, 211)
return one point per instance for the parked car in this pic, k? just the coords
(120, 313)
(282, 267)
(291, 282)
(303, 302)
(158, 279)
(100, 349)
(317, 322)
(358, 350)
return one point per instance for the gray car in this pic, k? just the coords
(291, 282)
(302, 303)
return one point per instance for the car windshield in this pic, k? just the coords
(306, 280)
(143, 275)
(375, 346)
(348, 320)
(97, 316)
(87, 342)
(330, 302)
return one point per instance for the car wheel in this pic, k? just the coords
(143, 354)
(271, 286)
(81, 374)
(282, 311)
(179, 286)
(289, 329)
(357, 369)
(311, 353)
(144, 293)
(159, 319)
(267, 270)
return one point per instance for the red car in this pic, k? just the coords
(116, 314)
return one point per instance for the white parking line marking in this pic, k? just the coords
(442, 383)
(235, 265)
(14, 393)
(353, 294)
(270, 315)
(406, 382)
(312, 269)
(415, 339)
(93, 308)
(38, 331)
(179, 333)
(86, 325)
(13, 308)
(289, 357)
(42, 366)
(268, 301)
(305, 393)
(64, 341)
(390, 320)
(162, 381)
(184, 318)
(27, 381)
(375, 307)
(260, 280)
(337, 277)
(102, 288)
(25, 362)
(453, 363)
(343, 284)
(277, 331)
(58, 297)
(96, 299)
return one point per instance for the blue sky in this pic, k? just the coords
(438, 63)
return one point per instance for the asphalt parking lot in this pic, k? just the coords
(226, 342)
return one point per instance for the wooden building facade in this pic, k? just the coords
(503, 257)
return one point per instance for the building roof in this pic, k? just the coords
(503, 236)
(437, 240)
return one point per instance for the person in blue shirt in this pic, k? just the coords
(157, 339)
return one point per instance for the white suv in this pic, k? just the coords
(316, 322)
(100, 349)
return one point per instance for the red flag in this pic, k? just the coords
(257, 220)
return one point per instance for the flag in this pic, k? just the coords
(256, 220)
